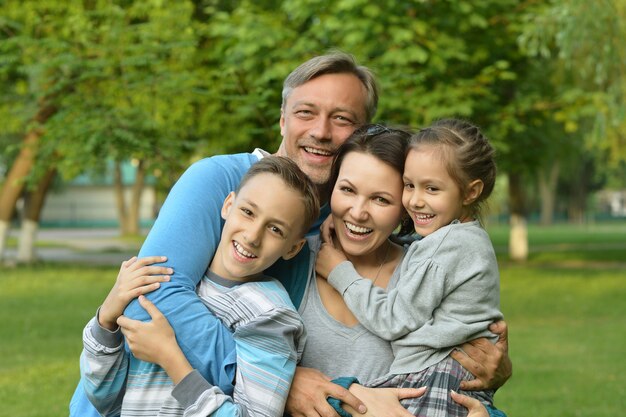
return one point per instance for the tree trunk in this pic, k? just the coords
(518, 239)
(547, 192)
(128, 214)
(22, 165)
(122, 212)
(34, 202)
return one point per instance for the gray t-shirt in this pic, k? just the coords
(336, 349)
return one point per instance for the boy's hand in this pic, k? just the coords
(136, 277)
(155, 341)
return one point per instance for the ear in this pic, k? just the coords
(282, 122)
(293, 251)
(473, 191)
(228, 204)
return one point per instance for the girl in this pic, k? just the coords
(448, 289)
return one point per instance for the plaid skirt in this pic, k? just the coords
(439, 380)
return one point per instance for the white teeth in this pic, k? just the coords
(424, 216)
(242, 251)
(357, 229)
(317, 151)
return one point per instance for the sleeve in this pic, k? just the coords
(391, 315)
(103, 368)
(187, 231)
(267, 352)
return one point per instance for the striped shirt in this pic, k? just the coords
(269, 337)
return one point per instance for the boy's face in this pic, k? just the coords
(263, 223)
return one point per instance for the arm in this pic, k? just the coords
(266, 351)
(104, 362)
(390, 315)
(103, 368)
(187, 231)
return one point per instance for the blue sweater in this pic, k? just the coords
(187, 231)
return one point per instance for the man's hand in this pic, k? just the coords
(309, 391)
(489, 363)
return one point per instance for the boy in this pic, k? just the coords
(265, 219)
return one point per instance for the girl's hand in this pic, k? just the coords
(384, 402)
(476, 409)
(327, 229)
(327, 259)
(136, 277)
(155, 341)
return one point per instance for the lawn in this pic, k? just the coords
(566, 310)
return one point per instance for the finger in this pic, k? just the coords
(348, 398)
(501, 329)
(464, 400)
(154, 270)
(473, 385)
(152, 310)
(125, 323)
(404, 393)
(149, 260)
(129, 262)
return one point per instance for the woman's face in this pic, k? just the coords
(366, 203)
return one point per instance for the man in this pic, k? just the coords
(324, 101)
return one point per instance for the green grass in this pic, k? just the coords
(566, 310)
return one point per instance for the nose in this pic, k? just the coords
(321, 129)
(416, 199)
(253, 235)
(358, 211)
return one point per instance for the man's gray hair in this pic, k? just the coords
(334, 63)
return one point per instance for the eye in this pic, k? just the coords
(342, 120)
(381, 200)
(408, 186)
(304, 113)
(246, 211)
(276, 230)
(431, 189)
(346, 189)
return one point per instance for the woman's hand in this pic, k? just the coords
(136, 277)
(489, 363)
(155, 341)
(310, 389)
(383, 402)
(476, 409)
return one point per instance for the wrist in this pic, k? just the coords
(105, 320)
(176, 365)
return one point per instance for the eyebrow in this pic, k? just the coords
(276, 220)
(335, 110)
(385, 193)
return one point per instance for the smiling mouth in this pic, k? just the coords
(423, 218)
(242, 251)
(357, 230)
(318, 152)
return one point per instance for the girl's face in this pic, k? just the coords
(431, 196)
(366, 203)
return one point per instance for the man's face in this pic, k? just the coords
(317, 118)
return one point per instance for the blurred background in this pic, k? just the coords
(104, 103)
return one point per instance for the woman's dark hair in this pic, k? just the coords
(386, 144)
